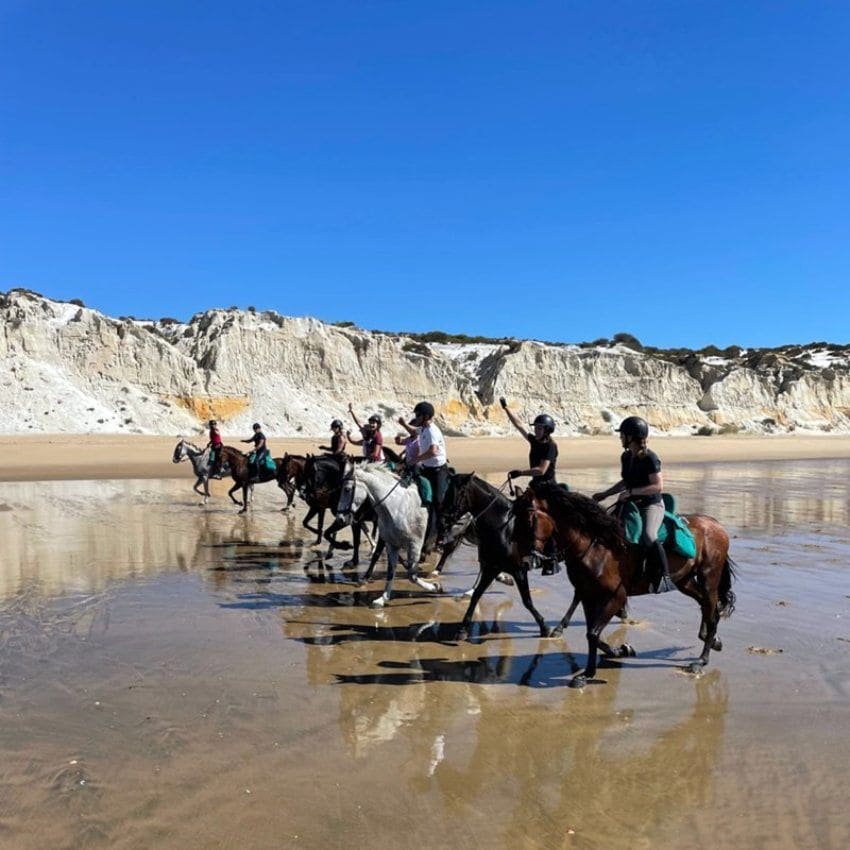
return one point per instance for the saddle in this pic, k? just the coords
(674, 532)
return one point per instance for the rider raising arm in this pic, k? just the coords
(543, 451)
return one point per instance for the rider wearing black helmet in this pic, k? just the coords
(543, 451)
(337, 446)
(372, 438)
(260, 449)
(430, 462)
(642, 483)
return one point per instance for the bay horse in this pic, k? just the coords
(241, 474)
(200, 460)
(290, 476)
(491, 528)
(605, 569)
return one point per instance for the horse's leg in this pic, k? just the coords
(392, 560)
(598, 612)
(521, 578)
(412, 573)
(321, 524)
(708, 603)
(244, 498)
(485, 579)
(306, 521)
(379, 549)
(448, 550)
(206, 489)
(565, 620)
(231, 491)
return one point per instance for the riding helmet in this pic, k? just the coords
(546, 421)
(256, 425)
(337, 423)
(424, 409)
(376, 419)
(635, 427)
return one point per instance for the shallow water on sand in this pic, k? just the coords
(175, 676)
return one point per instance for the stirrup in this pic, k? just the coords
(665, 585)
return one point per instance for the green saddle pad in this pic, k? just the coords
(673, 525)
(426, 491)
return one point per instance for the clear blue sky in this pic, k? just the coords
(557, 170)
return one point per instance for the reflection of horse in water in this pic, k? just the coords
(606, 570)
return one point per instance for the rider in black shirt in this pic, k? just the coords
(641, 482)
(257, 456)
(338, 442)
(542, 451)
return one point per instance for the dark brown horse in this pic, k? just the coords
(290, 476)
(241, 474)
(605, 569)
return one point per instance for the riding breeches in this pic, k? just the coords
(653, 516)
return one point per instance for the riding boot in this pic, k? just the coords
(657, 559)
(549, 559)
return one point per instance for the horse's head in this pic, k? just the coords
(533, 526)
(321, 476)
(179, 452)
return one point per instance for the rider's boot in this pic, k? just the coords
(657, 560)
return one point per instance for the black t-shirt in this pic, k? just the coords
(337, 443)
(539, 451)
(635, 472)
(258, 438)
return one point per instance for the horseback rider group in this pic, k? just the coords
(641, 480)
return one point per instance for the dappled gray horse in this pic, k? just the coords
(200, 460)
(401, 523)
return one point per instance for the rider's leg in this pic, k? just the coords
(653, 516)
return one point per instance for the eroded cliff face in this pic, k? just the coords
(67, 368)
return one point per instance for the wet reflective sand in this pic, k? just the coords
(173, 676)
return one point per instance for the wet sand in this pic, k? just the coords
(175, 676)
(67, 457)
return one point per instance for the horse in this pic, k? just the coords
(328, 484)
(605, 569)
(491, 528)
(241, 474)
(290, 476)
(401, 522)
(200, 460)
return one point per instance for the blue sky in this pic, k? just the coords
(557, 170)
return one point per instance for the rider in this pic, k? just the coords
(431, 458)
(214, 445)
(338, 442)
(372, 438)
(641, 482)
(256, 457)
(543, 450)
(542, 459)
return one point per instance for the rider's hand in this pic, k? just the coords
(402, 421)
(503, 402)
(624, 496)
(515, 473)
(599, 497)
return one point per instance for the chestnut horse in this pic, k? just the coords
(605, 569)
(241, 475)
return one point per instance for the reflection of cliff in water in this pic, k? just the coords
(76, 537)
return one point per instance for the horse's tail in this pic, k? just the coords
(726, 598)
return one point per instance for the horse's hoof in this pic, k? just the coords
(438, 588)
(556, 631)
(351, 565)
(505, 579)
(546, 632)
(380, 602)
(579, 681)
(462, 634)
(717, 645)
(696, 666)
(627, 651)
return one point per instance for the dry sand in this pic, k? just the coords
(64, 457)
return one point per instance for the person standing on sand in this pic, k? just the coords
(641, 482)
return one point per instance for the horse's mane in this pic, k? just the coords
(381, 468)
(583, 514)
(489, 488)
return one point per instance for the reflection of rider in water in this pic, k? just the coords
(256, 457)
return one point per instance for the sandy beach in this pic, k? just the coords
(174, 675)
(66, 457)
